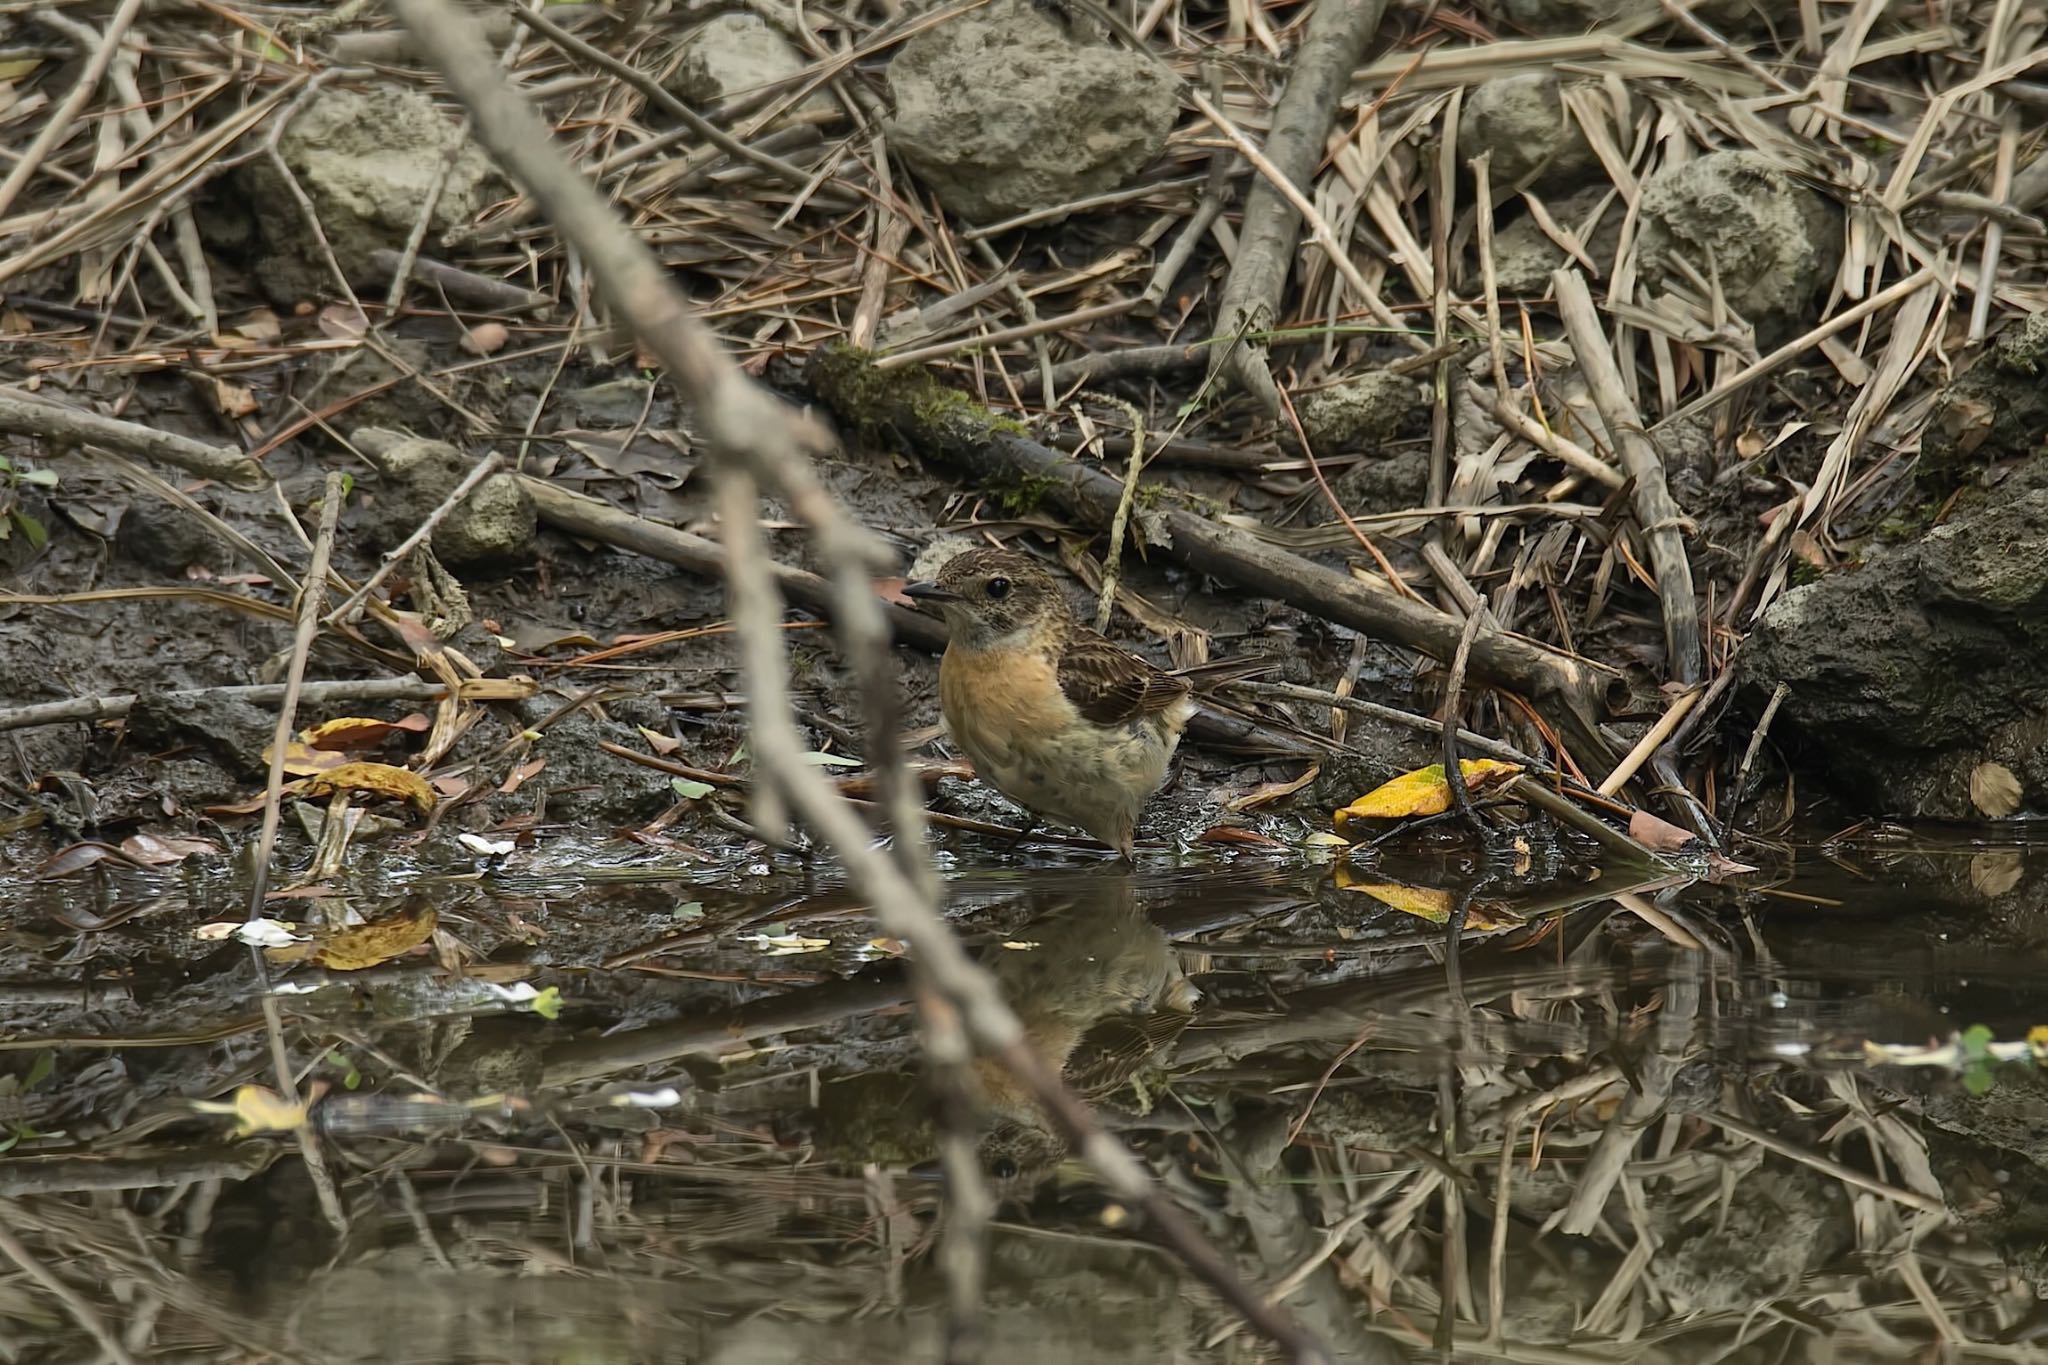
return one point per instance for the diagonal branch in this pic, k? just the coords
(758, 441)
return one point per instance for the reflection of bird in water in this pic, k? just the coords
(1099, 992)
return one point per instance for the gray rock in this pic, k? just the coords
(1774, 242)
(1521, 120)
(170, 539)
(1361, 412)
(1394, 483)
(1000, 111)
(494, 525)
(1782, 1225)
(1998, 410)
(736, 54)
(233, 732)
(1524, 255)
(1910, 671)
(366, 159)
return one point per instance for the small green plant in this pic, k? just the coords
(13, 516)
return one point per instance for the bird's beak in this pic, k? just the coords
(927, 591)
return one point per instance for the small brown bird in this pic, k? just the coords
(1054, 717)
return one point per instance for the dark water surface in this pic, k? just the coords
(1626, 1119)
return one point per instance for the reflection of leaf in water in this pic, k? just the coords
(1425, 791)
(1993, 874)
(1426, 902)
(367, 945)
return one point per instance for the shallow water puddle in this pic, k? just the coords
(1624, 1119)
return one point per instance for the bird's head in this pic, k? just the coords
(992, 597)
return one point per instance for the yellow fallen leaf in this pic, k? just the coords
(1425, 791)
(303, 760)
(263, 1111)
(378, 779)
(358, 732)
(367, 945)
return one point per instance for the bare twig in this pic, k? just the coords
(1318, 76)
(315, 585)
(1658, 514)
(21, 415)
(88, 709)
(76, 1304)
(58, 126)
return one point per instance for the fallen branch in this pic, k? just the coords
(587, 517)
(1656, 511)
(88, 709)
(1318, 75)
(594, 520)
(21, 415)
(946, 426)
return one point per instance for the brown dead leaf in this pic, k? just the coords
(360, 732)
(341, 322)
(521, 775)
(1659, 836)
(367, 945)
(261, 325)
(486, 338)
(375, 779)
(76, 858)
(162, 850)
(1236, 835)
(1807, 550)
(890, 590)
(661, 744)
(303, 760)
(1995, 790)
(234, 400)
(1265, 793)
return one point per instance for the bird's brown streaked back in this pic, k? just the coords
(1109, 685)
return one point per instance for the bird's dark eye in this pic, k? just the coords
(999, 587)
(1002, 1168)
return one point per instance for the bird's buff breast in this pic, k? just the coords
(1007, 713)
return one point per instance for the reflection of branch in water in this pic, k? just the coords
(1264, 1195)
(1645, 1102)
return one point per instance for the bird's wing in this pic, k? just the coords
(1110, 686)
